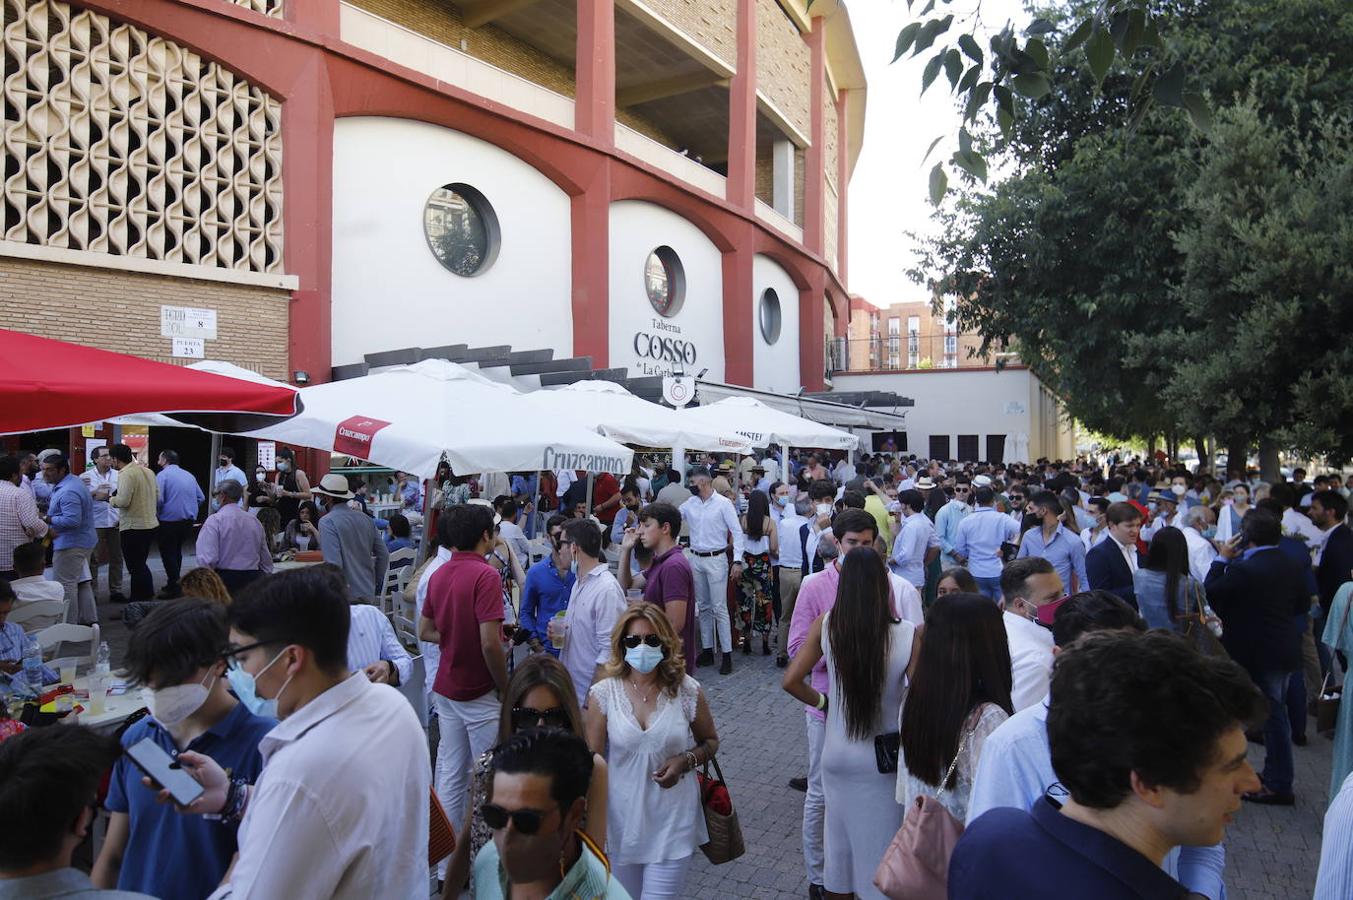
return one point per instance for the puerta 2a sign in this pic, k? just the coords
(662, 350)
(353, 436)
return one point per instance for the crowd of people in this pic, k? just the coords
(1017, 680)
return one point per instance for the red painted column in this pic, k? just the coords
(738, 304)
(811, 356)
(591, 244)
(842, 190)
(814, 183)
(742, 113)
(594, 102)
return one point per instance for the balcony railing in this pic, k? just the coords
(918, 350)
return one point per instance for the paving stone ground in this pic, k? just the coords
(1272, 852)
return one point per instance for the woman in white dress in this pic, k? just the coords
(651, 721)
(959, 694)
(867, 682)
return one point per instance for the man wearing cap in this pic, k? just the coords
(349, 539)
(1167, 512)
(711, 518)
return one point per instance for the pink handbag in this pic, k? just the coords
(916, 864)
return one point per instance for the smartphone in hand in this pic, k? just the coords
(159, 767)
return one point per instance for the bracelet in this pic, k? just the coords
(821, 702)
(236, 796)
(691, 760)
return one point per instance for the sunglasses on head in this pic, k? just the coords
(526, 717)
(630, 641)
(526, 821)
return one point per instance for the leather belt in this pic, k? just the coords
(708, 553)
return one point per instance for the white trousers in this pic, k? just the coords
(466, 729)
(654, 881)
(711, 600)
(70, 568)
(814, 802)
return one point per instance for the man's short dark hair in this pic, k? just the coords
(48, 776)
(560, 755)
(663, 514)
(1117, 708)
(556, 521)
(630, 487)
(585, 535)
(508, 509)
(170, 457)
(7, 594)
(1047, 500)
(228, 453)
(1016, 574)
(1092, 611)
(1121, 512)
(399, 526)
(467, 524)
(59, 460)
(94, 452)
(176, 640)
(1261, 527)
(122, 453)
(912, 499)
(1283, 494)
(9, 467)
(30, 558)
(301, 606)
(984, 496)
(854, 520)
(852, 500)
(1332, 501)
(822, 489)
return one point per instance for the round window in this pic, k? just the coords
(665, 281)
(461, 228)
(769, 314)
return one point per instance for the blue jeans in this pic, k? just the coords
(1278, 766)
(990, 587)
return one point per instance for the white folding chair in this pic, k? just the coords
(400, 561)
(55, 635)
(414, 690)
(35, 615)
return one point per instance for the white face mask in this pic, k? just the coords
(177, 702)
(824, 509)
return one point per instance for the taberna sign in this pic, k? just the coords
(660, 351)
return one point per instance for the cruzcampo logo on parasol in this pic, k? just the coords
(353, 436)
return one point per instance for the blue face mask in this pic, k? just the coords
(1210, 532)
(245, 687)
(643, 658)
(783, 501)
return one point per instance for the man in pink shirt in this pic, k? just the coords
(463, 615)
(852, 528)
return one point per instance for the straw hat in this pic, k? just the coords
(334, 485)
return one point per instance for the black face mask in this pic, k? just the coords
(223, 462)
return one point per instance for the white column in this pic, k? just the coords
(782, 178)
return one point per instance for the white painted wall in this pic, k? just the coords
(390, 292)
(637, 228)
(775, 367)
(957, 401)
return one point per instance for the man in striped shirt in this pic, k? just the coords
(19, 519)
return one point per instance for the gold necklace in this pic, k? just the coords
(643, 698)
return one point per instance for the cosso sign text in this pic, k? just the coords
(664, 349)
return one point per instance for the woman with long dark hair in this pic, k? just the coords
(757, 587)
(959, 694)
(1166, 592)
(868, 651)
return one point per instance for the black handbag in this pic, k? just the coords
(886, 750)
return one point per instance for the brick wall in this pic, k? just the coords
(765, 179)
(783, 64)
(830, 132)
(710, 23)
(120, 311)
(443, 23)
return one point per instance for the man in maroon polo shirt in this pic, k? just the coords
(669, 582)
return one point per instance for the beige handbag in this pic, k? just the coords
(721, 819)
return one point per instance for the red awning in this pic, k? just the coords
(53, 384)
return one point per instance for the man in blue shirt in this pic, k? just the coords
(150, 847)
(914, 543)
(980, 537)
(1146, 766)
(947, 520)
(177, 508)
(71, 515)
(548, 585)
(1055, 543)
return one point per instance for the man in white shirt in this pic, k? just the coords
(102, 482)
(335, 813)
(1027, 584)
(226, 470)
(1200, 526)
(916, 544)
(595, 602)
(1167, 513)
(510, 531)
(31, 586)
(711, 519)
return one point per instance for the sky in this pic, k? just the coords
(888, 190)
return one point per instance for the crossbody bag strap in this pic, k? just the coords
(967, 736)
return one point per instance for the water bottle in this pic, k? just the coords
(103, 664)
(32, 663)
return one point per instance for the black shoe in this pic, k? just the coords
(726, 668)
(816, 892)
(781, 662)
(170, 593)
(706, 658)
(747, 646)
(1266, 797)
(801, 785)
(1299, 740)
(765, 646)
(116, 597)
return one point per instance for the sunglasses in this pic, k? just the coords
(630, 641)
(526, 717)
(526, 821)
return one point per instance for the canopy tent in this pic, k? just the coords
(608, 408)
(53, 384)
(763, 425)
(409, 417)
(214, 366)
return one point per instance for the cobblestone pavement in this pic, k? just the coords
(1272, 852)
